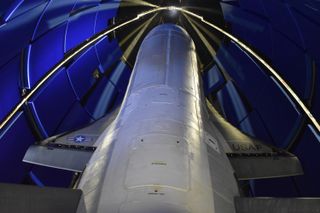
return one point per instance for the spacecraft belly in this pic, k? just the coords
(160, 160)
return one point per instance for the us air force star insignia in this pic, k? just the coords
(79, 139)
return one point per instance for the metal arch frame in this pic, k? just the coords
(284, 85)
(81, 47)
(89, 42)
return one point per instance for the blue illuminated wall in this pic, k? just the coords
(34, 36)
(287, 35)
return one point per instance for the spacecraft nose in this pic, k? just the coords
(166, 28)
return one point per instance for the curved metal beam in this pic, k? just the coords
(89, 42)
(285, 86)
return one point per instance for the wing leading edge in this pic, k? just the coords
(71, 150)
(252, 159)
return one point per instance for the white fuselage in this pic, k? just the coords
(161, 154)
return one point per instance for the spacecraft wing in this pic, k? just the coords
(269, 165)
(252, 159)
(60, 158)
(71, 150)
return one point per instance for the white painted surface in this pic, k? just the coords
(165, 156)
